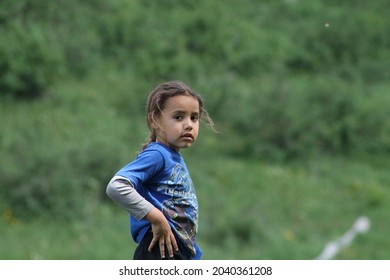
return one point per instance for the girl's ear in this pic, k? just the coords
(152, 121)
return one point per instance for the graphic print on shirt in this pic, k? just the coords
(182, 207)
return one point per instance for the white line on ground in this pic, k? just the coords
(361, 225)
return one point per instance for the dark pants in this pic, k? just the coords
(142, 253)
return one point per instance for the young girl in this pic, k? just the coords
(156, 187)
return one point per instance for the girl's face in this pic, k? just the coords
(178, 124)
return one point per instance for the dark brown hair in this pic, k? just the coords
(158, 98)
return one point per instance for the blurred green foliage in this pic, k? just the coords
(284, 81)
(248, 210)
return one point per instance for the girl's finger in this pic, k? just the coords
(169, 247)
(152, 243)
(162, 249)
(174, 243)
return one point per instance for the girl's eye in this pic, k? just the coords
(195, 118)
(178, 117)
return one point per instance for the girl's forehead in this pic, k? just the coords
(182, 103)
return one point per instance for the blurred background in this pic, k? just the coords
(299, 92)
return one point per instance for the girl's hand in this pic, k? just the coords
(162, 233)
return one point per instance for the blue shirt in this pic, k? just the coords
(160, 175)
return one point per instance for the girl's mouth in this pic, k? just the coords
(188, 137)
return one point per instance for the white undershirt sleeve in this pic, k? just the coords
(122, 191)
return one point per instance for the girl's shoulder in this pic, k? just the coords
(166, 152)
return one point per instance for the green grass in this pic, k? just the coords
(249, 210)
(255, 210)
(103, 235)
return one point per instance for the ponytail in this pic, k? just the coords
(152, 138)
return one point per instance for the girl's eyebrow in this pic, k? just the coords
(179, 111)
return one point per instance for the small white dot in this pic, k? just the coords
(362, 224)
(327, 25)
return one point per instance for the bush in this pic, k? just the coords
(300, 116)
(41, 40)
(30, 60)
(56, 162)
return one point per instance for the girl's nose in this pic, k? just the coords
(188, 124)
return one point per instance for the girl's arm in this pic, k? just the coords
(121, 191)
